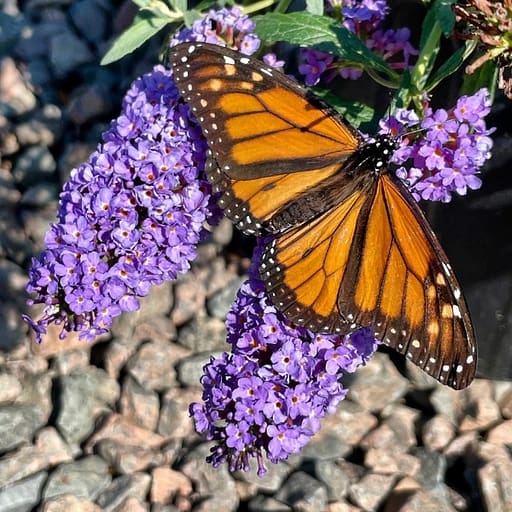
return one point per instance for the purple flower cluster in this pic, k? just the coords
(225, 27)
(445, 155)
(266, 397)
(365, 19)
(130, 218)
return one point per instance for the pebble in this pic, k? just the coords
(49, 450)
(18, 424)
(139, 405)
(85, 478)
(377, 384)
(34, 165)
(23, 495)
(16, 97)
(203, 334)
(83, 11)
(190, 369)
(68, 52)
(371, 490)
(69, 502)
(123, 487)
(167, 484)
(438, 432)
(10, 388)
(303, 492)
(84, 393)
(175, 421)
(153, 365)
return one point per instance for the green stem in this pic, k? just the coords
(426, 59)
(257, 6)
(282, 6)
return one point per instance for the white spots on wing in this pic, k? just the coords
(203, 102)
(192, 48)
(456, 311)
(440, 280)
(267, 71)
(416, 343)
(244, 60)
(469, 359)
(445, 367)
(456, 293)
(447, 311)
(392, 330)
(459, 368)
(228, 60)
(432, 360)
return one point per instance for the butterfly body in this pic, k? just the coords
(350, 245)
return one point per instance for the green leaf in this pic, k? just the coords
(451, 65)
(355, 113)
(315, 6)
(190, 16)
(321, 33)
(179, 5)
(484, 76)
(145, 25)
(444, 15)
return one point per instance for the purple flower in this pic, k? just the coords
(266, 398)
(365, 19)
(225, 27)
(446, 155)
(129, 218)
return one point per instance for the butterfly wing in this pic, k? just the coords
(374, 260)
(265, 133)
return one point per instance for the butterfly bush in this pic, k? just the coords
(265, 399)
(225, 27)
(365, 19)
(447, 152)
(129, 218)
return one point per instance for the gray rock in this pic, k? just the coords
(335, 479)
(68, 52)
(86, 478)
(340, 432)
(436, 499)
(214, 483)
(303, 493)
(153, 365)
(432, 468)
(16, 98)
(43, 128)
(34, 165)
(18, 423)
(122, 487)
(70, 361)
(41, 194)
(83, 11)
(37, 388)
(220, 303)
(74, 154)
(40, 72)
(36, 223)
(190, 369)
(37, 43)
(83, 394)
(377, 384)
(48, 450)
(261, 503)
(271, 482)
(203, 334)
(24, 495)
(140, 405)
(88, 103)
(175, 421)
(9, 194)
(12, 25)
(371, 490)
(10, 387)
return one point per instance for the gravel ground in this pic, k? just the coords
(105, 426)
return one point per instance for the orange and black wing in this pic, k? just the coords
(269, 141)
(374, 260)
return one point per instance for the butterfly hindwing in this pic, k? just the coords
(374, 260)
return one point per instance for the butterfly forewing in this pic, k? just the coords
(351, 247)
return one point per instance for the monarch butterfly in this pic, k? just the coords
(351, 247)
